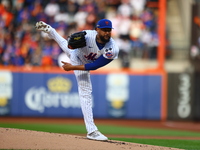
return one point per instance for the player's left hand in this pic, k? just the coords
(66, 66)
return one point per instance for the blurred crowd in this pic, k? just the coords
(135, 28)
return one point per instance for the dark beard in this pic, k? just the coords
(103, 39)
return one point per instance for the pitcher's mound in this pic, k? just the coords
(27, 139)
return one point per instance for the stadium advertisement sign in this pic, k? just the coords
(5, 92)
(114, 95)
(180, 96)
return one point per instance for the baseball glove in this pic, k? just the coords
(77, 40)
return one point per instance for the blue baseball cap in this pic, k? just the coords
(104, 23)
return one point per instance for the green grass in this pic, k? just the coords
(57, 128)
(80, 129)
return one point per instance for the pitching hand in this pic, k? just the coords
(66, 66)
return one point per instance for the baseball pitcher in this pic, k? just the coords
(87, 50)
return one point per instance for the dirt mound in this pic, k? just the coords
(26, 139)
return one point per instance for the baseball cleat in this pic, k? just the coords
(96, 135)
(41, 26)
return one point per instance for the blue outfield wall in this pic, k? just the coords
(56, 95)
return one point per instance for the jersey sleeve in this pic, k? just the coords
(100, 62)
(60, 40)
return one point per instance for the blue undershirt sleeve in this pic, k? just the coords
(100, 62)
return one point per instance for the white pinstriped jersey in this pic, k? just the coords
(91, 52)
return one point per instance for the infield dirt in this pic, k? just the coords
(26, 139)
